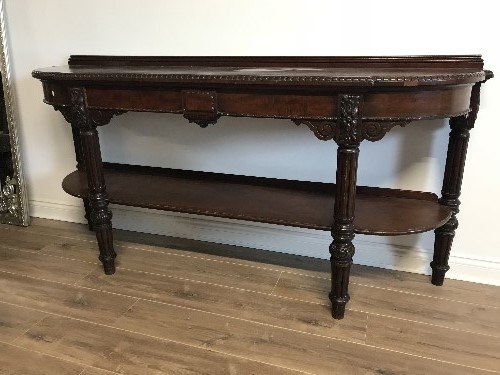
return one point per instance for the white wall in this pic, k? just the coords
(44, 33)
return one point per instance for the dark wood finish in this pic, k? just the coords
(285, 72)
(473, 62)
(100, 215)
(342, 249)
(293, 203)
(345, 99)
(80, 165)
(380, 105)
(452, 184)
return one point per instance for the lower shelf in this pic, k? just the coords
(294, 203)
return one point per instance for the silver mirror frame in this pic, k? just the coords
(13, 195)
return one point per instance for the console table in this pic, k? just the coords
(342, 99)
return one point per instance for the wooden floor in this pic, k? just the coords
(185, 307)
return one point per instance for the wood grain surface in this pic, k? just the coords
(286, 202)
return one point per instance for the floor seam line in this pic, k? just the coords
(30, 327)
(275, 284)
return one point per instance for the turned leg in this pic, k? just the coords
(452, 184)
(342, 248)
(100, 215)
(81, 166)
(454, 169)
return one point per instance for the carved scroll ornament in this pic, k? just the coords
(349, 127)
(370, 130)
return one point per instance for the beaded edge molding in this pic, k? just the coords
(258, 79)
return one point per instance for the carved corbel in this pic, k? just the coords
(200, 107)
(98, 117)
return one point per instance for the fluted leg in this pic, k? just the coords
(452, 184)
(342, 249)
(100, 215)
(80, 160)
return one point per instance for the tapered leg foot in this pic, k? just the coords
(341, 261)
(104, 235)
(338, 306)
(108, 264)
(438, 276)
(442, 245)
(107, 254)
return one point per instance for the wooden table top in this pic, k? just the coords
(276, 71)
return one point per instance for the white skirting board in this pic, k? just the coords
(370, 250)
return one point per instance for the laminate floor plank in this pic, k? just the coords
(86, 249)
(127, 352)
(14, 321)
(482, 294)
(425, 340)
(56, 227)
(456, 315)
(82, 251)
(284, 347)
(19, 361)
(95, 371)
(263, 308)
(458, 290)
(207, 300)
(176, 264)
(62, 299)
(243, 304)
(216, 272)
(50, 231)
(23, 238)
(371, 276)
(396, 280)
(38, 265)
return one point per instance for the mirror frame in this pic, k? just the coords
(13, 195)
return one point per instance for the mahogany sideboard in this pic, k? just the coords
(342, 99)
